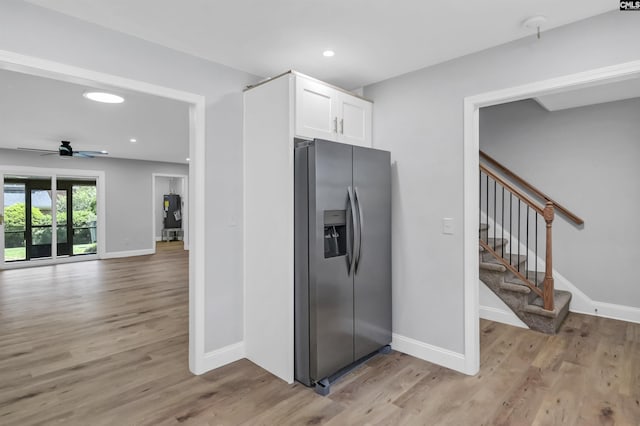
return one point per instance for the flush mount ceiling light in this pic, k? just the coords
(535, 22)
(104, 97)
(328, 53)
(133, 140)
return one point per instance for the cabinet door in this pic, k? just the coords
(316, 110)
(354, 126)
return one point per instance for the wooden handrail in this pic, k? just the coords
(515, 191)
(575, 219)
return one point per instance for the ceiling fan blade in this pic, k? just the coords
(48, 151)
(82, 154)
(92, 152)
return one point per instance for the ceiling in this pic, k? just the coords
(595, 94)
(373, 39)
(37, 112)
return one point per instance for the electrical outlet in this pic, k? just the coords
(447, 226)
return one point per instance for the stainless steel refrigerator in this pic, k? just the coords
(342, 257)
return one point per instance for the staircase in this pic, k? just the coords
(525, 303)
(515, 230)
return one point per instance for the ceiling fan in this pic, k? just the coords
(65, 150)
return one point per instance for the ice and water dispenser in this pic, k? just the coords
(335, 233)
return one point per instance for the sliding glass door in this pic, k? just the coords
(77, 217)
(29, 218)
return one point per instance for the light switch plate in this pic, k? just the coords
(447, 226)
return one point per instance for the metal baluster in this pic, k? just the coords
(487, 204)
(495, 215)
(527, 253)
(480, 200)
(519, 239)
(510, 216)
(502, 223)
(536, 260)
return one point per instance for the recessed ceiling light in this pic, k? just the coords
(188, 159)
(107, 98)
(133, 140)
(328, 53)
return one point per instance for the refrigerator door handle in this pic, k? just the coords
(360, 222)
(354, 228)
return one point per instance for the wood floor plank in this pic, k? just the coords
(106, 343)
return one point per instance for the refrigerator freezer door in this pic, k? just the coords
(372, 278)
(330, 282)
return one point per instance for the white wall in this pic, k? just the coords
(128, 193)
(419, 118)
(35, 31)
(587, 159)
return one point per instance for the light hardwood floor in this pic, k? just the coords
(105, 343)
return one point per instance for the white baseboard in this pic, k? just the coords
(128, 253)
(619, 312)
(424, 351)
(501, 316)
(223, 356)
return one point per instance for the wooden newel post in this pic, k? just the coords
(547, 291)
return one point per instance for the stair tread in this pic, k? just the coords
(560, 299)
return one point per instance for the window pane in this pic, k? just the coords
(15, 218)
(84, 219)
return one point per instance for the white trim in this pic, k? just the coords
(470, 240)
(471, 144)
(184, 194)
(127, 253)
(223, 356)
(49, 262)
(197, 220)
(424, 351)
(619, 312)
(501, 316)
(36, 66)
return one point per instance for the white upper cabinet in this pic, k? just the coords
(324, 112)
(316, 110)
(354, 126)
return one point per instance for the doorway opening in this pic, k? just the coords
(170, 208)
(471, 190)
(196, 140)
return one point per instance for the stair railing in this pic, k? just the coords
(514, 209)
(520, 181)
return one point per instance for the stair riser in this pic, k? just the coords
(517, 301)
(485, 256)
